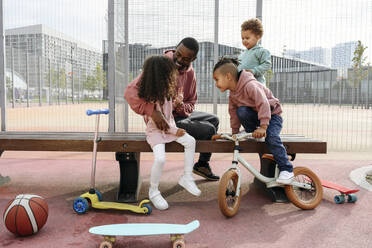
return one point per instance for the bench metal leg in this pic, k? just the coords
(277, 194)
(130, 182)
(3, 180)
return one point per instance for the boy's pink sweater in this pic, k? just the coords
(251, 93)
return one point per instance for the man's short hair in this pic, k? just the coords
(191, 44)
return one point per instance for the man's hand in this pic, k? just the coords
(260, 132)
(159, 120)
(180, 132)
(178, 101)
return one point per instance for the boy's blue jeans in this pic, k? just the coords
(249, 120)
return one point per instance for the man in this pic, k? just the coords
(200, 125)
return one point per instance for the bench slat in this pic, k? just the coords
(136, 142)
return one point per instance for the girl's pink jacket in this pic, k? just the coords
(154, 135)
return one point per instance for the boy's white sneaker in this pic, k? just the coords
(157, 200)
(285, 177)
(189, 184)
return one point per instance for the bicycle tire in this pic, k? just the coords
(304, 198)
(228, 202)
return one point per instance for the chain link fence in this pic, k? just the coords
(64, 57)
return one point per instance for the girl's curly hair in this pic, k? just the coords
(158, 79)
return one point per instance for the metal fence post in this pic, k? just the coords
(40, 78)
(111, 64)
(58, 84)
(12, 71)
(27, 81)
(2, 70)
(50, 84)
(126, 63)
(215, 50)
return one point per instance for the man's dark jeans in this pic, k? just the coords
(249, 120)
(201, 126)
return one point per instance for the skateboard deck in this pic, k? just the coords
(176, 231)
(351, 197)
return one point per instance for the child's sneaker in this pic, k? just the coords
(189, 184)
(157, 200)
(285, 177)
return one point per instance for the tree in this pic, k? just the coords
(95, 81)
(9, 88)
(359, 72)
(90, 84)
(62, 78)
(100, 77)
(53, 81)
(268, 75)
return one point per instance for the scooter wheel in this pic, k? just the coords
(149, 208)
(80, 205)
(99, 195)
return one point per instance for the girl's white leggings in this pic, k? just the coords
(159, 159)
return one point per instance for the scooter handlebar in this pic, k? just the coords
(98, 112)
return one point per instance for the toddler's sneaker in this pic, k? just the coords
(189, 184)
(157, 200)
(285, 177)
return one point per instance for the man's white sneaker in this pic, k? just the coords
(189, 184)
(285, 177)
(157, 200)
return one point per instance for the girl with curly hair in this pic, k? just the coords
(157, 85)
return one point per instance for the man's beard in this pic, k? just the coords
(179, 66)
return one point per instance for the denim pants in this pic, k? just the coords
(249, 120)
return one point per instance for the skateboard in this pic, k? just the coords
(339, 199)
(176, 232)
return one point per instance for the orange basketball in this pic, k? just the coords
(26, 214)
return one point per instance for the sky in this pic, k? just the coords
(295, 24)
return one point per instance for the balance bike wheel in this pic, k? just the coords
(228, 202)
(305, 198)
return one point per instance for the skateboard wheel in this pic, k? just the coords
(339, 199)
(149, 209)
(351, 198)
(105, 244)
(80, 205)
(179, 244)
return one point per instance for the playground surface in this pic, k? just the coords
(60, 177)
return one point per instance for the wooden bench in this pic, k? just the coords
(128, 148)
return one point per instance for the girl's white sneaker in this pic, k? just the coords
(189, 184)
(157, 200)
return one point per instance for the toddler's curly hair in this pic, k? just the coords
(254, 25)
(158, 79)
